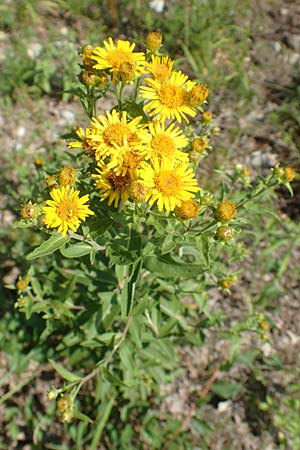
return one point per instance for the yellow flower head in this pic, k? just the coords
(188, 209)
(168, 99)
(113, 130)
(164, 143)
(154, 40)
(113, 56)
(160, 67)
(66, 176)
(112, 186)
(66, 209)
(169, 183)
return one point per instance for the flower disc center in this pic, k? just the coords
(167, 182)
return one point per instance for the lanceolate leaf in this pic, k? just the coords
(47, 248)
(66, 374)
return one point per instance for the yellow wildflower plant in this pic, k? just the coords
(168, 183)
(160, 67)
(165, 142)
(189, 209)
(66, 209)
(168, 99)
(113, 56)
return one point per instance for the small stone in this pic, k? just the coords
(68, 115)
(34, 50)
(21, 131)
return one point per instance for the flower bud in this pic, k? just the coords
(200, 143)
(126, 71)
(65, 408)
(39, 162)
(225, 212)
(206, 198)
(51, 181)
(226, 283)
(66, 176)
(153, 40)
(198, 94)
(87, 51)
(29, 211)
(289, 174)
(206, 117)
(22, 283)
(88, 78)
(138, 191)
(225, 233)
(188, 209)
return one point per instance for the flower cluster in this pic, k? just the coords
(145, 157)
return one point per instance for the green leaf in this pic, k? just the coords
(167, 267)
(202, 244)
(226, 389)
(76, 250)
(47, 248)
(79, 415)
(66, 374)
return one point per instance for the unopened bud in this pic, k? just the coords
(154, 40)
(225, 233)
(200, 143)
(29, 211)
(126, 71)
(39, 162)
(188, 209)
(206, 117)
(66, 176)
(198, 94)
(225, 212)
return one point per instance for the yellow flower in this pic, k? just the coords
(113, 130)
(169, 183)
(164, 143)
(168, 99)
(154, 40)
(188, 209)
(113, 56)
(160, 67)
(112, 186)
(66, 176)
(66, 209)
